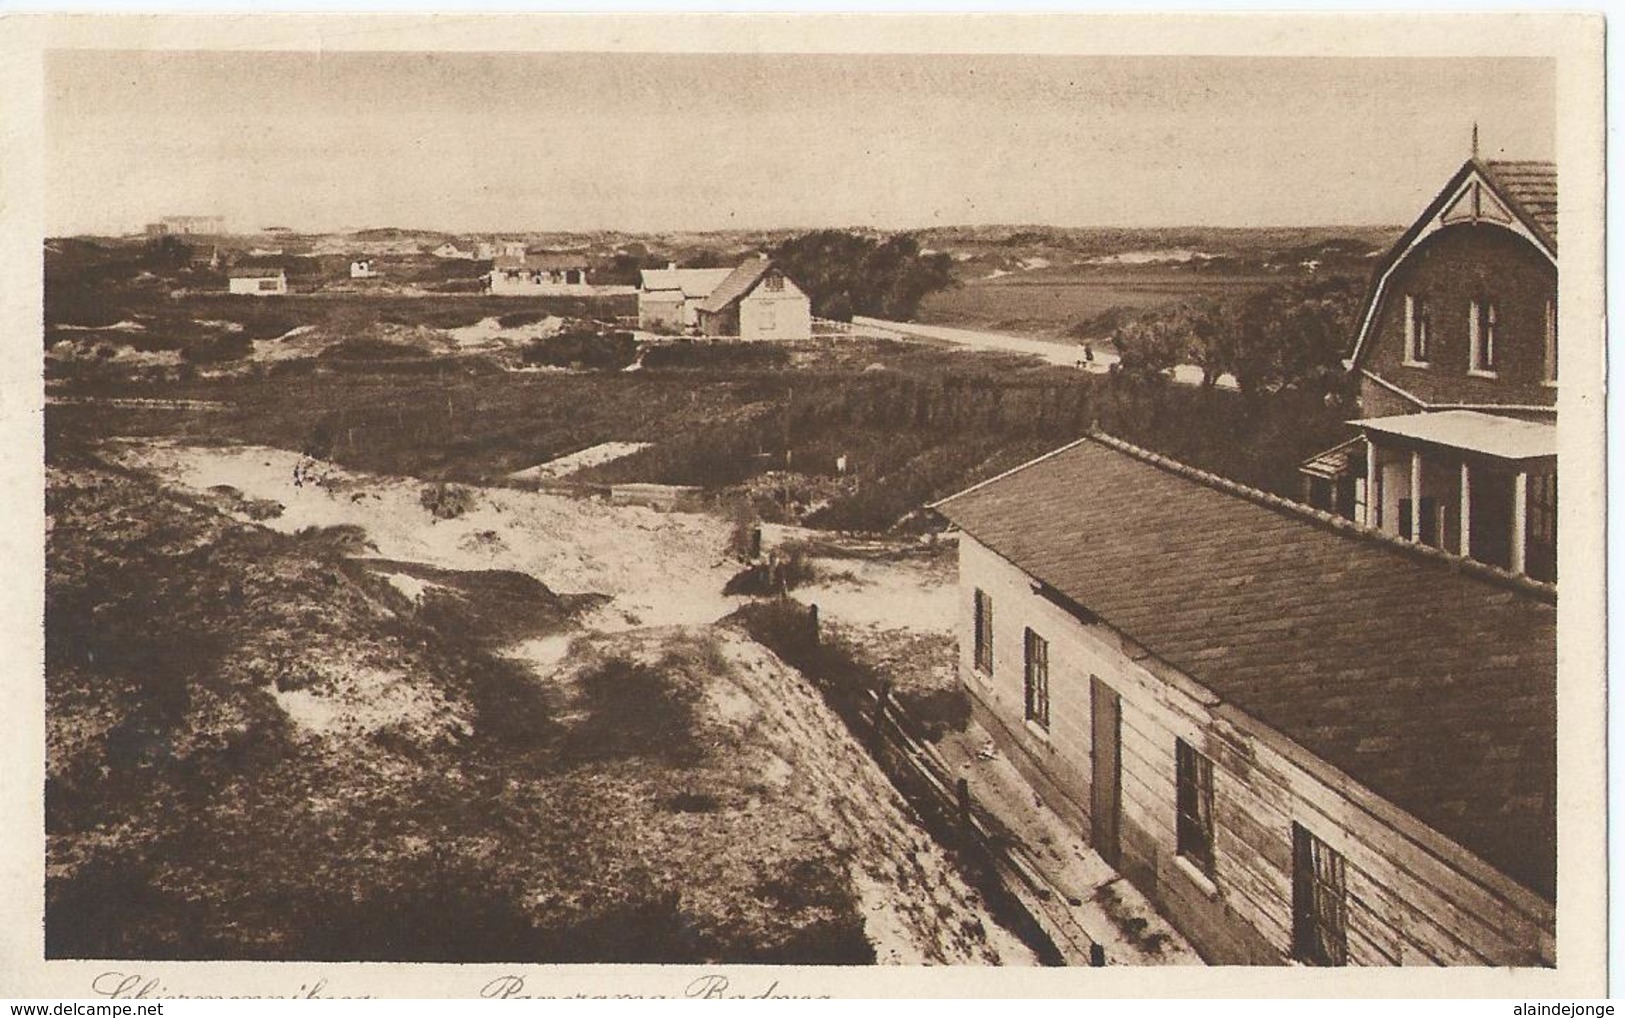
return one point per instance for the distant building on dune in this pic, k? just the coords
(184, 226)
(257, 280)
(1457, 361)
(450, 250)
(363, 268)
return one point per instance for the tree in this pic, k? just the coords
(1147, 348)
(848, 273)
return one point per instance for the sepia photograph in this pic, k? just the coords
(756, 503)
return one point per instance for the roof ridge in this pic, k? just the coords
(1349, 528)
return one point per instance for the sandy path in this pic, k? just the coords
(1064, 355)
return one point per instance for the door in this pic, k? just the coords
(1106, 711)
(1491, 520)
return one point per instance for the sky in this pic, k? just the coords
(470, 142)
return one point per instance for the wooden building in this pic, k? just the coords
(1306, 740)
(757, 301)
(669, 299)
(1457, 360)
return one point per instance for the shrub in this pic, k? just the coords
(446, 501)
(228, 347)
(368, 349)
(691, 355)
(603, 351)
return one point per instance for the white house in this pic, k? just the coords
(260, 281)
(757, 301)
(543, 274)
(669, 299)
(362, 268)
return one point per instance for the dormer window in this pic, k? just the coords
(1481, 338)
(1416, 330)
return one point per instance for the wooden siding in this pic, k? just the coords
(1413, 897)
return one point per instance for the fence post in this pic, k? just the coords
(963, 788)
(755, 542)
(882, 696)
(1097, 956)
(812, 624)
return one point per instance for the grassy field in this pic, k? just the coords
(914, 423)
(1063, 303)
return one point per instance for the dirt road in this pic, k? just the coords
(1064, 355)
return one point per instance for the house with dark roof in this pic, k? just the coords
(1307, 740)
(1457, 360)
(757, 301)
(539, 273)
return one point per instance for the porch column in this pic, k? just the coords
(1466, 511)
(1373, 505)
(1416, 497)
(1520, 519)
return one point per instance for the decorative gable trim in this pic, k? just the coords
(1471, 197)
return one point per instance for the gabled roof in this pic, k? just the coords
(1526, 191)
(691, 283)
(738, 283)
(1427, 679)
(1532, 186)
(254, 271)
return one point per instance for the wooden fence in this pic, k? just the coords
(931, 785)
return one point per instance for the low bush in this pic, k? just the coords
(363, 348)
(603, 351)
(446, 501)
(697, 354)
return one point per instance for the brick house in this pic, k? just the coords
(1457, 360)
(1270, 719)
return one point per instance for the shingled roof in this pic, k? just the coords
(737, 285)
(1428, 679)
(1533, 185)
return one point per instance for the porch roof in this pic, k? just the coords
(1507, 438)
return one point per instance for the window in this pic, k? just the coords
(1417, 334)
(984, 632)
(1319, 901)
(270, 284)
(766, 319)
(773, 283)
(1481, 336)
(1194, 802)
(1551, 341)
(1037, 679)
